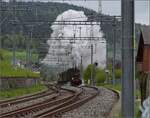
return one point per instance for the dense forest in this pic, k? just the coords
(19, 28)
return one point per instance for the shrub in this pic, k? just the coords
(87, 74)
(118, 73)
(1, 56)
(100, 76)
(6, 68)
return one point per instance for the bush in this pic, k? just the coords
(118, 73)
(87, 74)
(6, 68)
(100, 76)
(1, 56)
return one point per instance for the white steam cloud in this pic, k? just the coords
(69, 52)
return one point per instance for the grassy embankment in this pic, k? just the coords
(11, 93)
(7, 70)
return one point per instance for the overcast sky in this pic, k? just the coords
(113, 7)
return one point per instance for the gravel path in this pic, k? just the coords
(99, 107)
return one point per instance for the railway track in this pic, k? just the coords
(71, 104)
(16, 101)
(55, 99)
(26, 96)
(58, 103)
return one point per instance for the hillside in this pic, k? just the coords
(39, 11)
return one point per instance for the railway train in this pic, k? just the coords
(71, 76)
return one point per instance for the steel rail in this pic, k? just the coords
(37, 107)
(14, 102)
(67, 102)
(18, 98)
(68, 105)
(27, 108)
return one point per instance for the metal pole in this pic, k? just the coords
(128, 59)
(92, 65)
(14, 48)
(94, 69)
(81, 70)
(91, 81)
(114, 51)
(30, 47)
(12, 2)
(27, 52)
(81, 66)
(100, 7)
(0, 41)
(107, 70)
(80, 32)
(0, 26)
(149, 10)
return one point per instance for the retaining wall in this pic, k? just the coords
(16, 82)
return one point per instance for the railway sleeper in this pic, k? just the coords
(68, 107)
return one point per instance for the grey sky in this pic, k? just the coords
(142, 8)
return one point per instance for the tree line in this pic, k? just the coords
(20, 32)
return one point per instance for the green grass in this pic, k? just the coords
(118, 88)
(11, 93)
(21, 55)
(7, 70)
(115, 87)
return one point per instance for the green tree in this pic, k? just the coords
(99, 75)
(118, 73)
(87, 74)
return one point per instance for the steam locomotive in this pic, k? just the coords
(71, 76)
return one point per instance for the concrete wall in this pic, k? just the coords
(11, 82)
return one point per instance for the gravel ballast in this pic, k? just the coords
(99, 107)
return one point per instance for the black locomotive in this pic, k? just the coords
(72, 75)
